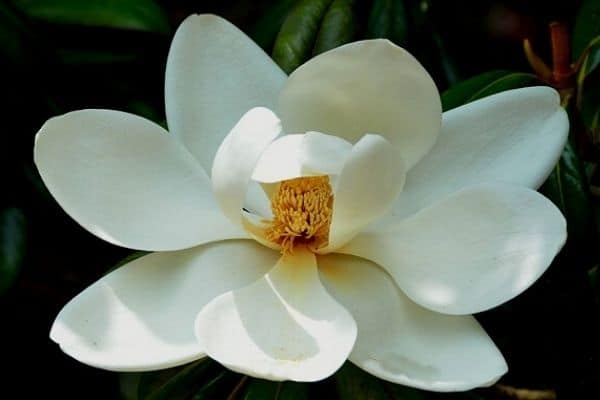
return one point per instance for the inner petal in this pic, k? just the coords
(302, 210)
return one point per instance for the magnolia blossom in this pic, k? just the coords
(354, 221)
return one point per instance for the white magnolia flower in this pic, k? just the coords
(290, 284)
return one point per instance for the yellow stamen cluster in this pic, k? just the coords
(302, 210)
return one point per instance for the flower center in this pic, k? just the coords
(302, 210)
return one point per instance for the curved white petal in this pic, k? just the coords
(297, 155)
(470, 252)
(237, 157)
(141, 316)
(284, 326)
(215, 73)
(129, 182)
(513, 137)
(404, 343)
(368, 185)
(367, 86)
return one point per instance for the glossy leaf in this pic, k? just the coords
(220, 387)
(12, 246)
(567, 188)
(388, 20)
(484, 85)
(590, 106)
(259, 389)
(338, 26)
(177, 383)
(592, 59)
(587, 26)
(143, 15)
(268, 25)
(295, 41)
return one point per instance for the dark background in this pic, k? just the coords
(547, 335)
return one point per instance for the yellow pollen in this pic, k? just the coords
(302, 210)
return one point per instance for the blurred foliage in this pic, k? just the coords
(587, 26)
(143, 15)
(12, 245)
(60, 55)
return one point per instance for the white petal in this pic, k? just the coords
(284, 326)
(513, 137)
(297, 155)
(368, 185)
(126, 180)
(280, 161)
(141, 316)
(368, 86)
(404, 343)
(237, 157)
(470, 252)
(215, 73)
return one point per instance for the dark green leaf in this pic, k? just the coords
(338, 26)
(220, 387)
(265, 30)
(259, 389)
(177, 383)
(143, 15)
(567, 188)
(128, 385)
(592, 59)
(354, 383)
(590, 106)
(16, 39)
(12, 246)
(484, 85)
(587, 26)
(295, 41)
(388, 20)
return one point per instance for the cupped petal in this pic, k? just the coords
(237, 156)
(471, 251)
(129, 182)
(297, 155)
(367, 86)
(284, 326)
(214, 74)
(514, 137)
(404, 343)
(368, 185)
(141, 316)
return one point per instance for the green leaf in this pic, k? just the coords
(268, 25)
(587, 26)
(143, 15)
(294, 43)
(17, 42)
(591, 61)
(590, 106)
(567, 188)
(219, 387)
(388, 20)
(338, 26)
(484, 85)
(353, 383)
(12, 246)
(177, 383)
(259, 389)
